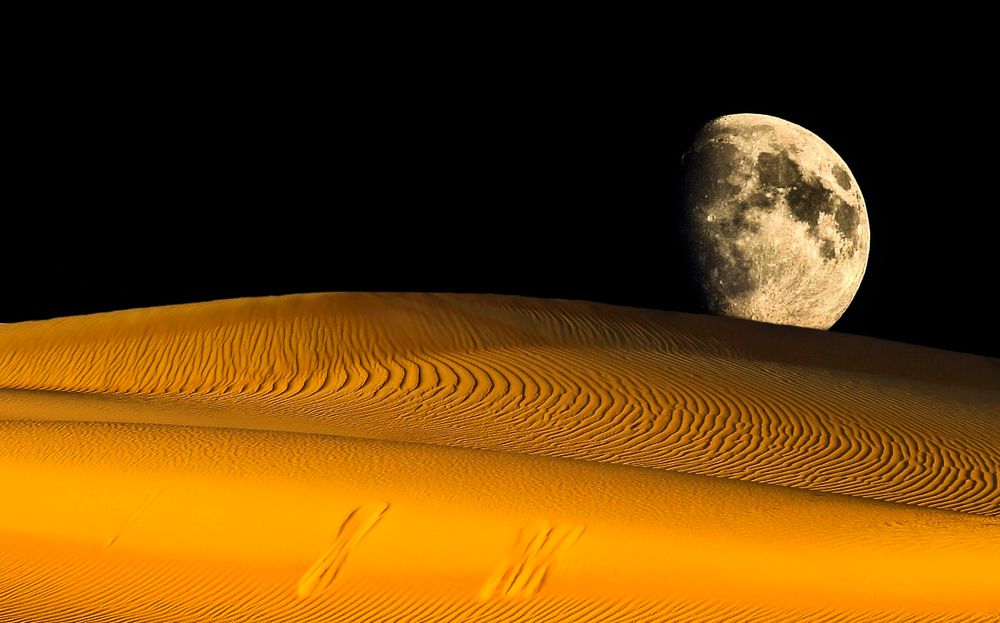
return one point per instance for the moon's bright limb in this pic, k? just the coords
(776, 222)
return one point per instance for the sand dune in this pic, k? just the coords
(355, 457)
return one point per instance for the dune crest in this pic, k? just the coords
(561, 378)
(464, 458)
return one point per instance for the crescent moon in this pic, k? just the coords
(776, 223)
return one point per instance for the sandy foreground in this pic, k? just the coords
(405, 457)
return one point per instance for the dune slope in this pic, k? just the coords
(350, 457)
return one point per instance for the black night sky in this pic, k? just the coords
(132, 189)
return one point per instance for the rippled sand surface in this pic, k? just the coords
(405, 457)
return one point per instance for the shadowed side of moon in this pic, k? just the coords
(774, 221)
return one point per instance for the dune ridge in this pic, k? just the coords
(578, 380)
(482, 458)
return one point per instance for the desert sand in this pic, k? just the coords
(407, 457)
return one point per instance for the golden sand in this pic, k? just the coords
(356, 457)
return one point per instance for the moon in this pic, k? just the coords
(775, 223)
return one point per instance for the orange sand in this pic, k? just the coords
(354, 457)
